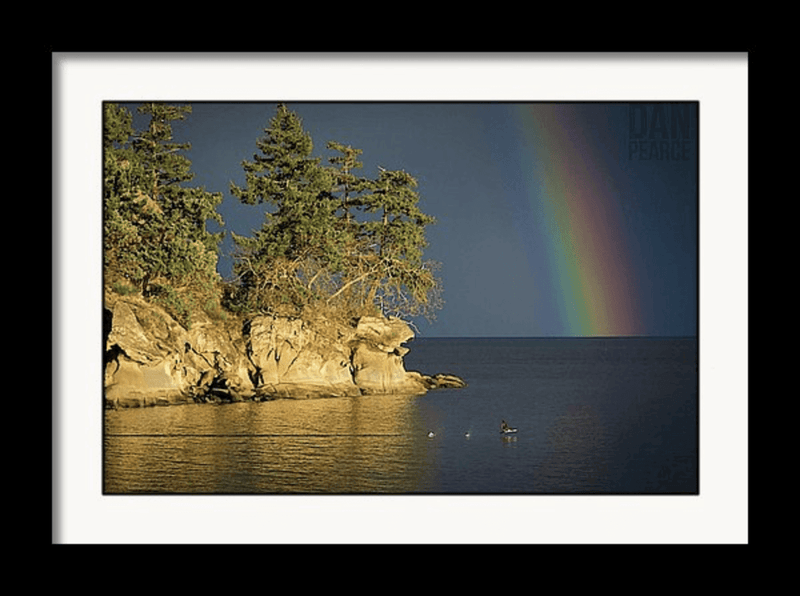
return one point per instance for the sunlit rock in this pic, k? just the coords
(293, 360)
(152, 360)
(378, 357)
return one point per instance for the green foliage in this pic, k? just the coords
(333, 243)
(330, 236)
(122, 289)
(214, 310)
(155, 235)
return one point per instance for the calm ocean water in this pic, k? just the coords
(595, 416)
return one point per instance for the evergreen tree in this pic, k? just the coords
(347, 184)
(391, 270)
(299, 242)
(121, 205)
(330, 236)
(156, 238)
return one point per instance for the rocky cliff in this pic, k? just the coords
(152, 360)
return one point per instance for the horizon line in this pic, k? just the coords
(639, 336)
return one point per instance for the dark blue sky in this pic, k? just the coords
(479, 167)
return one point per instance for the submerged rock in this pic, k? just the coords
(443, 381)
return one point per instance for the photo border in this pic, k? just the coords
(82, 81)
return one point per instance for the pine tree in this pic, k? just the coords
(122, 209)
(156, 238)
(299, 243)
(347, 184)
(392, 271)
(321, 240)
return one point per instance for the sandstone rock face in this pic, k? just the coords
(152, 360)
(292, 360)
(142, 365)
(378, 357)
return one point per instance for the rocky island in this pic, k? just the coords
(305, 310)
(151, 360)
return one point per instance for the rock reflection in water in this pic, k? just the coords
(337, 445)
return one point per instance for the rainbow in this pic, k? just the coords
(573, 192)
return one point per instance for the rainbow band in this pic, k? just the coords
(577, 211)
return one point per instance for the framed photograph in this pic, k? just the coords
(368, 299)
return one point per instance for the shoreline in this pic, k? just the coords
(151, 360)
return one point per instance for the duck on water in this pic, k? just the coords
(506, 429)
